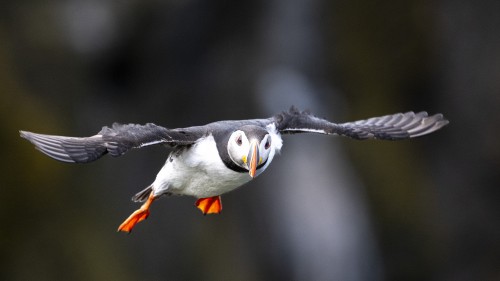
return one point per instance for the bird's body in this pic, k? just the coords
(208, 161)
(197, 172)
(201, 170)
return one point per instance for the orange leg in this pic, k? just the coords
(210, 205)
(139, 215)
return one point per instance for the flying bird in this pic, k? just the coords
(208, 161)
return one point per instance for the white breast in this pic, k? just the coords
(197, 171)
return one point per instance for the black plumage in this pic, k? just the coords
(119, 138)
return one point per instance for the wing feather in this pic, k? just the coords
(115, 140)
(388, 127)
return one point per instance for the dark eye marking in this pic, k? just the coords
(268, 144)
(239, 142)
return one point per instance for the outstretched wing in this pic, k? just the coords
(389, 127)
(116, 141)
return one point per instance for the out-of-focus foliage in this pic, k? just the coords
(327, 209)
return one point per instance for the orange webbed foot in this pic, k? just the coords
(139, 215)
(210, 205)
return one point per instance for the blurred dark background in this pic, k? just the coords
(327, 209)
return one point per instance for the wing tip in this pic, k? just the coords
(41, 145)
(429, 124)
(25, 134)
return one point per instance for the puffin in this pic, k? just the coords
(210, 160)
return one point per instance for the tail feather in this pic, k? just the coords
(143, 194)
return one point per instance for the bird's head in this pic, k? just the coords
(249, 147)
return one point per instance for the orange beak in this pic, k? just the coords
(253, 156)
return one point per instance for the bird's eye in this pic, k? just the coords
(267, 145)
(239, 141)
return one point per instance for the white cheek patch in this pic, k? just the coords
(264, 153)
(237, 152)
(276, 140)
